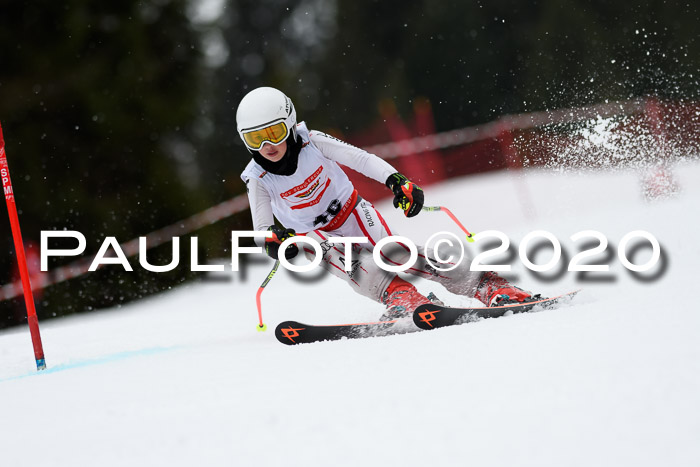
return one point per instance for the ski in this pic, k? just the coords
(435, 316)
(294, 332)
(425, 317)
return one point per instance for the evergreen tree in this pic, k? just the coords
(94, 98)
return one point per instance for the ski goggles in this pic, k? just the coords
(273, 134)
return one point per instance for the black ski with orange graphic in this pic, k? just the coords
(294, 332)
(425, 317)
(435, 316)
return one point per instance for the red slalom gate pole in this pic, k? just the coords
(21, 258)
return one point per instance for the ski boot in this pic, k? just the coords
(493, 290)
(434, 300)
(401, 298)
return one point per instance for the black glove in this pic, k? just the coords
(272, 244)
(407, 195)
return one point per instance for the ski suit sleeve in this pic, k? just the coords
(260, 207)
(357, 159)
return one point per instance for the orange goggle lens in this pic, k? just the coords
(275, 134)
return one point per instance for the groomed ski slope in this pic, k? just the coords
(184, 379)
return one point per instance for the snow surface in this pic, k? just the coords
(184, 378)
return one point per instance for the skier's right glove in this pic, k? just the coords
(272, 244)
(407, 195)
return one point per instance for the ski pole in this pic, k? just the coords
(32, 319)
(470, 236)
(261, 325)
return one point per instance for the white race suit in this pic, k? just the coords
(319, 200)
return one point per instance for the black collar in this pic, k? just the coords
(285, 166)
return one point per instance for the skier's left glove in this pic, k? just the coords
(407, 195)
(272, 244)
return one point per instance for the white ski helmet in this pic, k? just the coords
(265, 115)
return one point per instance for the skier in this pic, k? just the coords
(295, 176)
